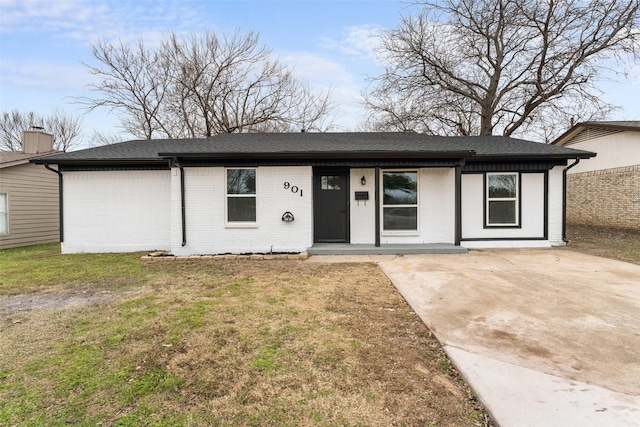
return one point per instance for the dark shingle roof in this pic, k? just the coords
(318, 145)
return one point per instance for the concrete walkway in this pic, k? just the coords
(351, 249)
(545, 337)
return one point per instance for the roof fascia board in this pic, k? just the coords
(528, 157)
(565, 137)
(99, 162)
(13, 163)
(314, 155)
(612, 126)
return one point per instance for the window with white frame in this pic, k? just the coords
(400, 201)
(241, 195)
(4, 213)
(502, 199)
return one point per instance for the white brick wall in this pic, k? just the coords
(119, 211)
(207, 230)
(555, 206)
(436, 209)
(116, 211)
(439, 209)
(473, 205)
(363, 213)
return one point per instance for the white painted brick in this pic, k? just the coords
(141, 210)
(207, 230)
(116, 211)
(532, 211)
(555, 206)
(362, 212)
(436, 209)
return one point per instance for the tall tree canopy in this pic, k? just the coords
(65, 128)
(201, 86)
(482, 67)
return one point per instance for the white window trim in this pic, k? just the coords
(6, 207)
(391, 233)
(239, 224)
(516, 200)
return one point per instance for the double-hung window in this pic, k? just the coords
(4, 213)
(502, 200)
(400, 201)
(241, 195)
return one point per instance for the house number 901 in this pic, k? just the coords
(293, 188)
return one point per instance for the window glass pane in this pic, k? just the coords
(241, 181)
(241, 209)
(4, 225)
(400, 218)
(502, 212)
(502, 186)
(400, 188)
(329, 182)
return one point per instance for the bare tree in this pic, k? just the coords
(201, 86)
(501, 67)
(132, 81)
(102, 138)
(12, 124)
(64, 127)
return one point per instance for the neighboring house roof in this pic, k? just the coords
(306, 145)
(14, 158)
(588, 130)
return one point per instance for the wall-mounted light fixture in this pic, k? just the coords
(363, 180)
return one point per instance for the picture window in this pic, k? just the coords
(400, 201)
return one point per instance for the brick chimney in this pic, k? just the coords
(36, 141)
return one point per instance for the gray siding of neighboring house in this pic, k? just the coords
(33, 205)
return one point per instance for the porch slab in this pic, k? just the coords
(397, 249)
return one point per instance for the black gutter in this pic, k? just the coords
(182, 204)
(458, 205)
(60, 200)
(532, 157)
(377, 205)
(101, 162)
(564, 199)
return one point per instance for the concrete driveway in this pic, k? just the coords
(544, 336)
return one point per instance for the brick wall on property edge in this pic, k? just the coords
(609, 197)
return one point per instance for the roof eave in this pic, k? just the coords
(573, 131)
(533, 157)
(100, 162)
(314, 155)
(13, 163)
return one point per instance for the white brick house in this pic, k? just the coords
(262, 193)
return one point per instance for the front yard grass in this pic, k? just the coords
(614, 243)
(216, 342)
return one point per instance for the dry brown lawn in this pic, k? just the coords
(614, 243)
(227, 342)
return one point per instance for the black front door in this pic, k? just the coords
(330, 205)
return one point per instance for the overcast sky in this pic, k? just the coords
(44, 44)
